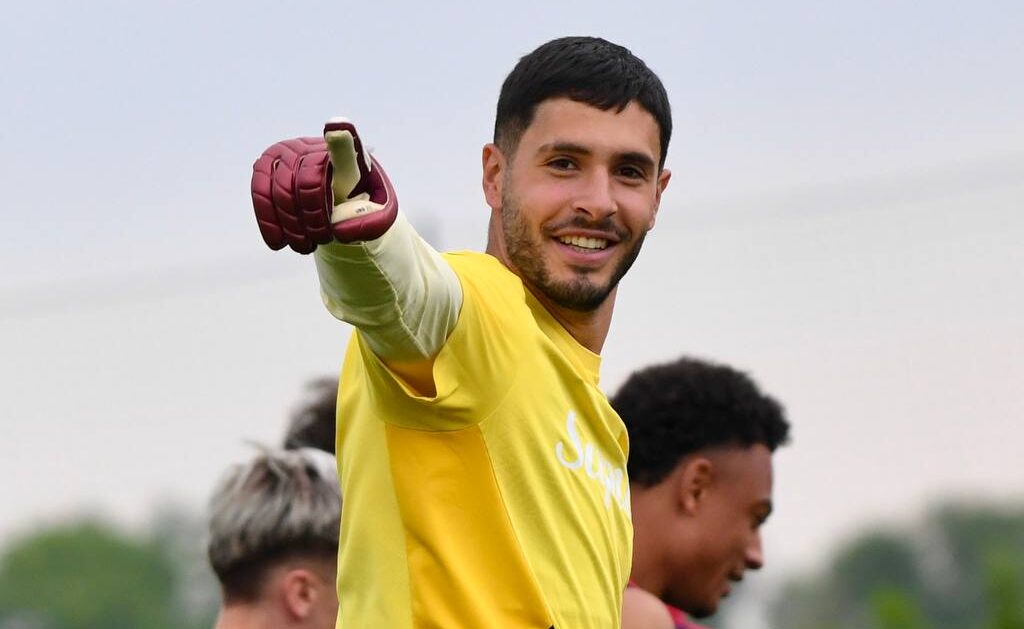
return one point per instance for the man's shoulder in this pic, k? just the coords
(643, 610)
(475, 262)
(483, 273)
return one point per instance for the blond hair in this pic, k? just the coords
(279, 505)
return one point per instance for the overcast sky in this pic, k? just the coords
(845, 221)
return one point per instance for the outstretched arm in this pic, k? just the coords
(376, 273)
(400, 294)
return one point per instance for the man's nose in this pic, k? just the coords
(597, 196)
(754, 556)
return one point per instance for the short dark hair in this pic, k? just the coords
(675, 409)
(589, 70)
(312, 424)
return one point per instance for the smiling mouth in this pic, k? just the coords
(584, 243)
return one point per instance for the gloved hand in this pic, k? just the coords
(310, 191)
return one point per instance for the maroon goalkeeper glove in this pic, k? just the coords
(310, 191)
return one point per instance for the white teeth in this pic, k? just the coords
(584, 242)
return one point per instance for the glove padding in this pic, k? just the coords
(295, 184)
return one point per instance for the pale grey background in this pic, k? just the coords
(845, 221)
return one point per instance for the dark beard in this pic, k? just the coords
(579, 294)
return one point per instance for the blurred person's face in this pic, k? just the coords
(725, 515)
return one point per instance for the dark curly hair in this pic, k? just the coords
(588, 70)
(312, 424)
(678, 408)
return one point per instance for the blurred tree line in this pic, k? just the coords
(87, 574)
(961, 567)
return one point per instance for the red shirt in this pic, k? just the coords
(682, 622)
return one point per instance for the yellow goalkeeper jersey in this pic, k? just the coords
(500, 502)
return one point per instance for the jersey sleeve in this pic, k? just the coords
(396, 290)
(475, 367)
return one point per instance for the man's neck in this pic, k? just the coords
(590, 329)
(247, 617)
(649, 517)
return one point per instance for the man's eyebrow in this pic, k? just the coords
(632, 157)
(635, 157)
(564, 147)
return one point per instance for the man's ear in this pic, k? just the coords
(494, 165)
(663, 178)
(300, 589)
(694, 481)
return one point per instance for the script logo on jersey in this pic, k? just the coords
(584, 457)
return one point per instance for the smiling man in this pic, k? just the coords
(601, 166)
(700, 467)
(482, 466)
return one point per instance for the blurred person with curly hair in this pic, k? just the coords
(700, 467)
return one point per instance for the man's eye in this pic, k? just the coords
(632, 172)
(562, 163)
